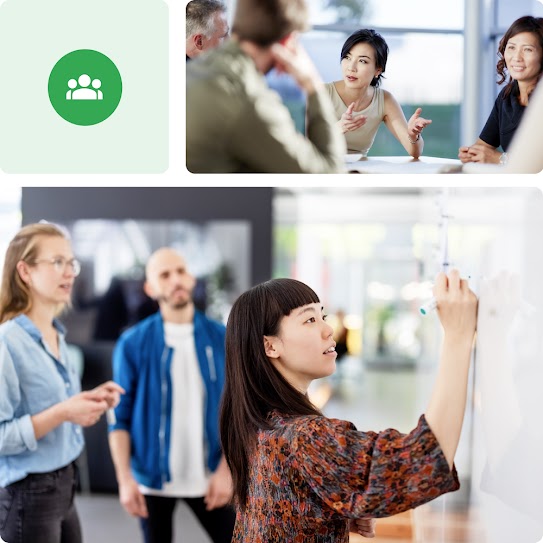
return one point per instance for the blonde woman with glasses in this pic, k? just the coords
(42, 408)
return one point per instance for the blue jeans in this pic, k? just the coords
(40, 509)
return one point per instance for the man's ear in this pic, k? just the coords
(198, 41)
(148, 289)
(270, 347)
(288, 40)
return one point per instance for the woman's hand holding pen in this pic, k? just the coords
(86, 408)
(457, 311)
(350, 122)
(456, 306)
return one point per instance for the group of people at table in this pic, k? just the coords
(236, 123)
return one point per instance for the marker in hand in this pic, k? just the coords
(431, 304)
(427, 307)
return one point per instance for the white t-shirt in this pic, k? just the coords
(188, 469)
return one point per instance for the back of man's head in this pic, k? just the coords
(266, 22)
(202, 19)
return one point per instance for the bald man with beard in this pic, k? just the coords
(164, 441)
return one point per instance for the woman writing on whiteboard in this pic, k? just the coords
(41, 407)
(361, 105)
(299, 476)
(520, 63)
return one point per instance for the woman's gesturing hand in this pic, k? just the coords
(85, 408)
(350, 122)
(416, 125)
(110, 392)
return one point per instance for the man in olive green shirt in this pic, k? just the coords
(236, 123)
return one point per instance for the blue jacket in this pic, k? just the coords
(141, 365)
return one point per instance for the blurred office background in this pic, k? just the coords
(371, 255)
(442, 58)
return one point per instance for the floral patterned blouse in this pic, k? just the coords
(311, 474)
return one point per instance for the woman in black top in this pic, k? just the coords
(521, 61)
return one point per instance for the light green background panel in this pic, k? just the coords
(34, 36)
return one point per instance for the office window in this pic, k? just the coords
(423, 14)
(507, 12)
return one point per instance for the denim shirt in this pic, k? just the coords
(31, 380)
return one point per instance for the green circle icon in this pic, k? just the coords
(85, 87)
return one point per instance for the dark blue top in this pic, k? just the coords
(504, 120)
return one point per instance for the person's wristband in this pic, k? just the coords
(416, 139)
(504, 158)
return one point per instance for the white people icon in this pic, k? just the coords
(84, 92)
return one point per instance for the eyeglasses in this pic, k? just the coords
(59, 264)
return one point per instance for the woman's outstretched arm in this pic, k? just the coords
(407, 133)
(457, 310)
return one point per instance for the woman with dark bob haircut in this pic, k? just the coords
(520, 63)
(300, 476)
(361, 105)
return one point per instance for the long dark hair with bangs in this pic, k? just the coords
(253, 386)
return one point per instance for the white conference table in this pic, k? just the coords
(403, 164)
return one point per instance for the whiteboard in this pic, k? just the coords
(495, 236)
(507, 408)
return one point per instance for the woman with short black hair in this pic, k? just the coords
(361, 105)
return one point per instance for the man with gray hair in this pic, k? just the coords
(207, 26)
